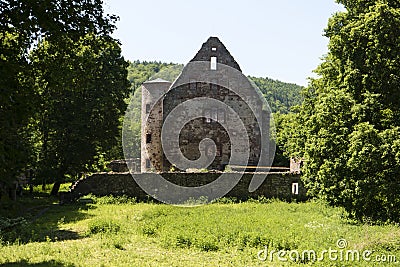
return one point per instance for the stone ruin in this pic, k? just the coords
(159, 97)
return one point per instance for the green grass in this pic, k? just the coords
(120, 232)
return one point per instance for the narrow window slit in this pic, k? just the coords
(213, 63)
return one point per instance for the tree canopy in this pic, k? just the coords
(347, 128)
(280, 96)
(82, 91)
(63, 84)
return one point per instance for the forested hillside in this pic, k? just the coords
(280, 96)
(141, 71)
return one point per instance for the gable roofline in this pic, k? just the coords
(213, 47)
(158, 80)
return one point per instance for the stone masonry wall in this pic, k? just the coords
(225, 108)
(276, 185)
(151, 116)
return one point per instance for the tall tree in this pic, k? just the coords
(350, 118)
(82, 86)
(23, 25)
(16, 104)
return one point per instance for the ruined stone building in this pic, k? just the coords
(212, 77)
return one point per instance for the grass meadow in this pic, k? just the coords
(118, 231)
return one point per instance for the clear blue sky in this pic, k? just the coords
(280, 39)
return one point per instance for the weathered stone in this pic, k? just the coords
(276, 185)
(160, 98)
(120, 165)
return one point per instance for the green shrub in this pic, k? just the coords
(225, 200)
(11, 230)
(100, 226)
(112, 199)
(8, 224)
(149, 230)
(183, 241)
(207, 245)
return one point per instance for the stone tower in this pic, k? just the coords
(152, 94)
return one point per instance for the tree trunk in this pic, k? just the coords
(13, 194)
(60, 178)
(56, 187)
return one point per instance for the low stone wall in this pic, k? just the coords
(276, 185)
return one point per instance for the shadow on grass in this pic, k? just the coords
(40, 219)
(23, 263)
